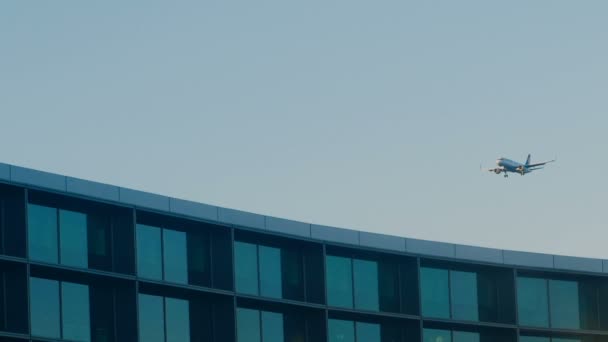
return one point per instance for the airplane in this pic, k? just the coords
(505, 165)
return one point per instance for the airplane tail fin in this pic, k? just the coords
(528, 160)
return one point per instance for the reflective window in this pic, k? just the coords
(75, 312)
(435, 292)
(149, 258)
(532, 302)
(175, 256)
(44, 307)
(339, 281)
(151, 319)
(366, 284)
(248, 325)
(463, 286)
(73, 238)
(272, 327)
(436, 335)
(270, 272)
(556, 339)
(341, 331)
(42, 233)
(246, 267)
(564, 304)
(465, 336)
(177, 318)
(368, 332)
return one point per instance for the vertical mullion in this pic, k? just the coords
(162, 253)
(27, 266)
(136, 257)
(304, 275)
(450, 293)
(2, 225)
(233, 265)
(58, 232)
(352, 280)
(4, 317)
(257, 256)
(111, 249)
(548, 301)
(210, 244)
(325, 309)
(261, 325)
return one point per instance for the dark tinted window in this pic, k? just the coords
(44, 307)
(149, 253)
(532, 300)
(246, 267)
(339, 281)
(435, 292)
(175, 256)
(42, 233)
(73, 238)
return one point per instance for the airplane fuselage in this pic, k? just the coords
(509, 165)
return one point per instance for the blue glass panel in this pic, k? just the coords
(175, 256)
(564, 304)
(75, 312)
(248, 325)
(555, 339)
(44, 306)
(533, 302)
(246, 267)
(73, 238)
(177, 318)
(270, 272)
(465, 336)
(365, 275)
(42, 233)
(435, 292)
(464, 295)
(436, 335)
(341, 331)
(272, 327)
(149, 255)
(151, 319)
(339, 281)
(534, 339)
(368, 332)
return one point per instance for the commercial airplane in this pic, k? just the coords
(505, 165)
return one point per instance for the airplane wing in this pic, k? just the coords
(540, 164)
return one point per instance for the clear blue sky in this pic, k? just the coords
(373, 115)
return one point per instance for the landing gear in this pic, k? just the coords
(506, 175)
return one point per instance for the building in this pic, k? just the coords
(84, 261)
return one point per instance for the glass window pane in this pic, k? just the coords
(175, 256)
(73, 238)
(44, 306)
(365, 275)
(75, 312)
(368, 332)
(435, 292)
(555, 339)
(42, 233)
(177, 316)
(465, 336)
(341, 331)
(564, 304)
(246, 267)
(532, 302)
(339, 281)
(436, 335)
(533, 339)
(270, 272)
(272, 327)
(149, 259)
(151, 319)
(464, 295)
(248, 325)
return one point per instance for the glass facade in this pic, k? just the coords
(59, 310)
(102, 272)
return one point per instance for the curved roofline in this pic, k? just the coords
(12, 174)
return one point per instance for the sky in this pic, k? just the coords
(370, 115)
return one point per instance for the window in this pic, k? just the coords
(365, 275)
(435, 292)
(249, 328)
(162, 254)
(538, 296)
(547, 339)
(71, 322)
(246, 267)
(339, 281)
(268, 271)
(42, 233)
(532, 300)
(163, 319)
(351, 331)
(463, 287)
(564, 304)
(367, 332)
(67, 245)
